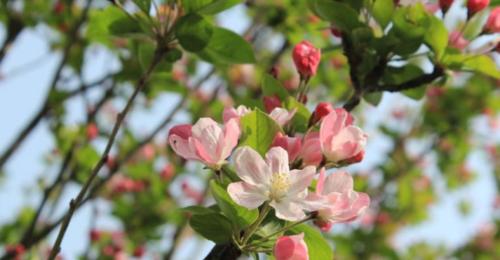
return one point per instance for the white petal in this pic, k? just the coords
(246, 195)
(277, 159)
(301, 179)
(209, 134)
(250, 167)
(288, 210)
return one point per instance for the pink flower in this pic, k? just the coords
(457, 40)
(311, 150)
(292, 145)
(205, 141)
(231, 112)
(306, 58)
(271, 180)
(282, 116)
(493, 22)
(342, 203)
(474, 6)
(291, 248)
(92, 131)
(339, 139)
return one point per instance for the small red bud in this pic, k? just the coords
(336, 32)
(322, 110)
(271, 102)
(474, 6)
(445, 5)
(139, 251)
(95, 235)
(493, 23)
(306, 58)
(92, 131)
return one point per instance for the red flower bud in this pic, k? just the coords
(59, 7)
(139, 251)
(445, 5)
(92, 131)
(306, 58)
(324, 226)
(271, 102)
(474, 6)
(322, 109)
(336, 32)
(95, 235)
(167, 172)
(493, 23)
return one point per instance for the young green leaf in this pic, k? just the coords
(436, 36)
(382, 11)
(144, 5)
(340, 14)
(258, 130)
(301, 118)
(238, 215)
(193, 32)
(271, 87)
(212, 226)
(373, 98)
(227, 47)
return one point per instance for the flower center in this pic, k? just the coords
(279, 186)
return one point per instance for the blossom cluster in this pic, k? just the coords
(282, 178)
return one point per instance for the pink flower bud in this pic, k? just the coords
(445, 5)
(271, 102)
(457, 40)
(291, 144)
(306, 58)
(493, 22)
(167, 172)
(322, 110)
(291, 248)
(474, 6)
(92, 131)
(311, 150)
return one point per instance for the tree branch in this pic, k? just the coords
(121, 116)
(413, 83)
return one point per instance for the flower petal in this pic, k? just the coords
(338, 182)
(288, 210)
(250, 167)
(277, 159)
(183, 147)
(231, 135)
(246, 195)
(301, 179)
(209, 134)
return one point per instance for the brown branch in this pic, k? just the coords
(121, 116)
(14, 27)
(73, 36)
(413, 83)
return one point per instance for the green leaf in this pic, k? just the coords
(218, 6)
(475, 25)
(301, 118)
(212, 226)
(373, 98)
(382, 11)
(124, 26)
(437, 36)
(411, 22)
(208, 7)
(144, 5)
(341, 15)
(227, 47)
(258, 130)
(99, 22)
(239, 215)
(271, 87)
(198, 210)
(482, 64)
(193, 32)
(317, 246)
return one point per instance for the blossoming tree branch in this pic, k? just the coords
(274, 130)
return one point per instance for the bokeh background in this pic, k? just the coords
(431, 166)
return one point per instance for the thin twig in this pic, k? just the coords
(121, 116)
